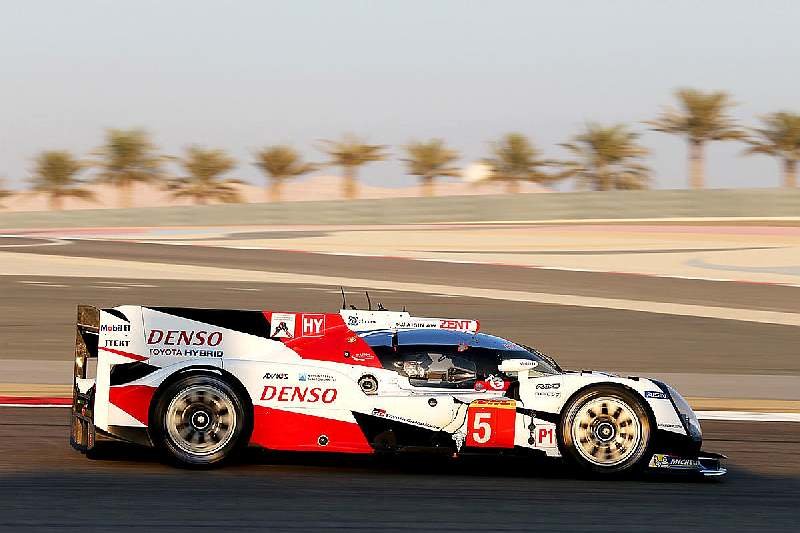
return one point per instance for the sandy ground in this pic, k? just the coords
(306, 189)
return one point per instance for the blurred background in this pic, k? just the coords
(614, 183)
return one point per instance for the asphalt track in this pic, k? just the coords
(45, 485)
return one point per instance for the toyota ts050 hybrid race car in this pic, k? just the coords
(200, 384)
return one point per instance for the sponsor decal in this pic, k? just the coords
(313, 325)
(115, 328)
(670, 426)
(548, 386)
(298, 394)
(660, 395)
(351, 339)
(176, 337)
(383, 414)
(192, 343)
(359, 356)
(677, 463)
(282, 326)
(544, 435)
(115, 343)
(449, 323)
(355, 320)
(494, 403)
(527, 363)
(276, 375)
(548, 394)
(303, 376)
(493, 383)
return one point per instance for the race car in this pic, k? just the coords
(201, 384)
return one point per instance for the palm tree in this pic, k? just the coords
(203, 183)
(55, 175)
(780, 137)
(350, 153)
(514, 159)
(429, 160)
(281, 163)
(607, 157)
(703, 117)
(128, 157)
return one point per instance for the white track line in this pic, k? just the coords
(748, 416)
(49, 241)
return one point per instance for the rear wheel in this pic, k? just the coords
(606, 430)
(200, 421)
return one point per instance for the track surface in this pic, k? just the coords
(45, 485)
(726, 294)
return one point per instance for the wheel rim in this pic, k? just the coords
(606, 431)
(201, 420)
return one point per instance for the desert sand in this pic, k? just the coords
(308, 189)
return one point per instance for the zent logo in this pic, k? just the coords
(313, 325)
(548, 385)
(454, 324)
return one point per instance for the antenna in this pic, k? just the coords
(344, 299)
(369, 302)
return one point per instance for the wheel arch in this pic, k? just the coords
(613, 384)
(198, 370)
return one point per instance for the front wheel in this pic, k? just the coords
(606, 430)
(200, 421)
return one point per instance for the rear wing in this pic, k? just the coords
(360, 321)
(82, 436)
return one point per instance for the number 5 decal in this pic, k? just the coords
(482, 428)
(490, 423)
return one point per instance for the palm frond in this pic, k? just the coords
(606, 157)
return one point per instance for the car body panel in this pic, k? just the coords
(353, 382)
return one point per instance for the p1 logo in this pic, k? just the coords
(490, 423)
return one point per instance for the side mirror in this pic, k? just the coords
(518, 367)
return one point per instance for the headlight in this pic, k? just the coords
(687, 416)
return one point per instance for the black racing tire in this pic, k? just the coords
(606, 430)
(199, 421)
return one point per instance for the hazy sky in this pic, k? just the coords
(238, 75)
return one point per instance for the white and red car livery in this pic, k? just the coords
(201, 383)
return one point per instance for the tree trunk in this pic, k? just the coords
(56, 202)
(790, 173)
(275, 186)
(426, 185)
(125, 194)
(696, 165)
(350, 186)
(512, 186)
(603, 181)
